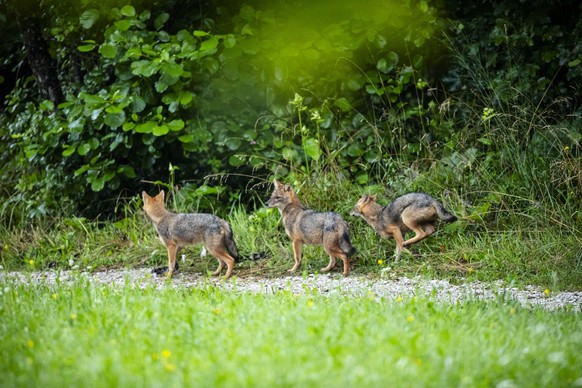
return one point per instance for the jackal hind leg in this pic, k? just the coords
(297, 245)
(223, 258)
(172, 251)
(330, 266)
(221, 265)
(336, 252)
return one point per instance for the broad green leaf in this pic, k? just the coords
(176, 125)
(146, 127)
(128, 126)
(172, 68)
(185, 98)
(88, 46)
(355, 150)
(84, 149)
(233, 143)
(199, 33)
(128, 10)
(97, 184)
(161, 20)
(69, 150)
(209, 45)
(128, 171)
(236, 160)
(186, 139)
(108, 50)
(160, 130)
(312, 148)
(343, 104)
(88, 18)
(115, 120)
(123, 25)
(47, 105)
(138, 104)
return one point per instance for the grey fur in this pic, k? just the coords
(414, 211)
(307, 226)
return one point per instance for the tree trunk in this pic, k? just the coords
(41, 63)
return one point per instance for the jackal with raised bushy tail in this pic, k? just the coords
(417, 212)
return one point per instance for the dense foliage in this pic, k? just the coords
(100, 97)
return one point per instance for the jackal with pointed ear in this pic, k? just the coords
(417, 212)
(306, 226)
(178, 230)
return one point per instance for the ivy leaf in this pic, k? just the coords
(88, 18)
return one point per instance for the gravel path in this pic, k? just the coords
(357, 286)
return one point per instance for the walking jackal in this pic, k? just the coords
(415, 211)
(306, 226)
(179, 230)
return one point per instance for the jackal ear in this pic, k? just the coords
(277, 183)
(287, 188)
(373, 197)
(145, 196)
(161, 196)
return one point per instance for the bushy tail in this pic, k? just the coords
(231, 245)
(346, 245)
(443, 214)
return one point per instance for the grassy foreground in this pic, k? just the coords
(98, 335)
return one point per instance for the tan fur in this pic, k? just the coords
(306, 226)
(415, 212)
(178, 230)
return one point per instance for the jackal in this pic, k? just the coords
(306, 226)
(179, 230)
(415, 211)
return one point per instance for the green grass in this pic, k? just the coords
(100, 335)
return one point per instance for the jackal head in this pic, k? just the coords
(153, 206)
(282, 196)
(366, 207)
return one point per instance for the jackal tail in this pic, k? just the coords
(443, 214)
(231, 245)
(346, 245)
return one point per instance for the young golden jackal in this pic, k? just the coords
(415, 211)
(306, 226)
(179, 230)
